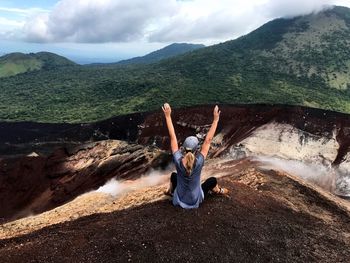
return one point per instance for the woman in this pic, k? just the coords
(185, 184)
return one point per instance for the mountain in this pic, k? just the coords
(166, 52)
(17, 63)
(303, 60)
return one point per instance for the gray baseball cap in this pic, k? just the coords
(191, 143)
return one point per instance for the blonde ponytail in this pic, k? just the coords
(189, 162)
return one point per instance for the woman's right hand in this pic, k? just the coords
(216, 113)
(167, 110)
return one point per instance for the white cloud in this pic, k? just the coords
(98, 21)
(9, 28)
(227, 19)
(211, 20)
(23, 11)
(277, 8)
(10, 23)
(205, 21)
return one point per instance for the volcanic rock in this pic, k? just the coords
(269, 216)
(282, 165)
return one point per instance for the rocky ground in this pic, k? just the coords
(277, 211)
(268, 216)
(43, 166)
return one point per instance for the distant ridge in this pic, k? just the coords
(303, 60)
(166, 52)
(16, 63)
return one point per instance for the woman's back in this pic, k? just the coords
(188, 193)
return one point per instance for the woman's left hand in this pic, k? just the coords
(167, 110)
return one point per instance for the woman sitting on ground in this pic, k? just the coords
(185, 184)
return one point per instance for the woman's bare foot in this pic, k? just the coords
(220, 190)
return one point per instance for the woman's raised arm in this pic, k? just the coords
(173, 141)
(211, 132)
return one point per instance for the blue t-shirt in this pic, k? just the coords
(188, 192)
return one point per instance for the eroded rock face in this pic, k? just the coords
(35, 184)
(288, 142)
(237, 123)
(290, 132)
(45, 165)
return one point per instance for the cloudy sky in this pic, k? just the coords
(110, 30)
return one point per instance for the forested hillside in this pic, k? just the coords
(17, 63)
(303, 60)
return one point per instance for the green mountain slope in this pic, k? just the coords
(303, 61)
(17, 63)
(166, 52)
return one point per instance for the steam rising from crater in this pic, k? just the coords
(116, 187)
(335, 180)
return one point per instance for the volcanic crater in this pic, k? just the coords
(287, 169)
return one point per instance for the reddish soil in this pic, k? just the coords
(268, 217)
(58, 175)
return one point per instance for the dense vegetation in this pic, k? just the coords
(303, 61)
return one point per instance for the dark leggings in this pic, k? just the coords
(208, 185)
